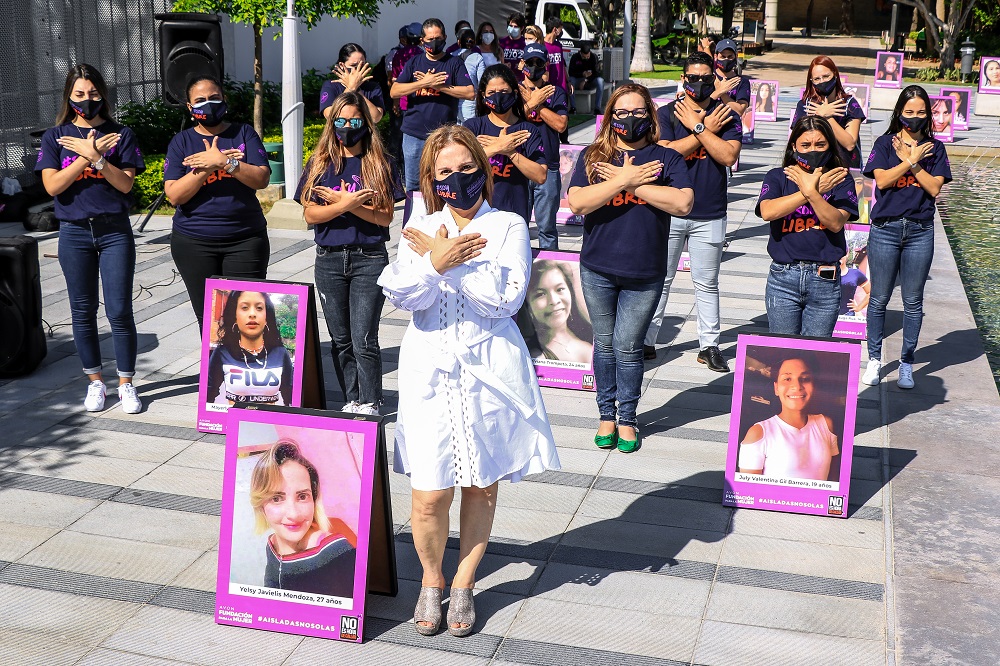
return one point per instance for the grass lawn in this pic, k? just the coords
(943, 82)
(668, 72)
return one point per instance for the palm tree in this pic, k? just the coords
(642, 61)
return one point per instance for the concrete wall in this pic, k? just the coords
(792, 14)
(320, 45)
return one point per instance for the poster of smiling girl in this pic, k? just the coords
(255, 343)
(791, 434)
(555, 323)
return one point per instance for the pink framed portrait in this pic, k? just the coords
(888, 69)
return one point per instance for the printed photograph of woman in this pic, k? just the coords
(960, 120)
(554, 321)
(765, 100)
(888, 69)
(942, 118)
(989, 75)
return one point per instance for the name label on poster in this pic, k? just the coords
(290, 595)
(797, 483)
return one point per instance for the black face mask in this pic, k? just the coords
(209, 113)
(914, 124)
(534, 73)
(501, 102)
(461, 190)
(698, 91)
(826, 87)
(812, 160)
(726, 65)
(87, 108)
(630, 128)
(350, 136)
(434, 47)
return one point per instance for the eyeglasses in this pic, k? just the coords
(622, 114)
(703, 78)
(355, 123)
(822, 78)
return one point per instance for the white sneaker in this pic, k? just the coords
(96, 392)
(905, 380)
(872, 376)
(129, 398)
(368, 409)
(351, 407)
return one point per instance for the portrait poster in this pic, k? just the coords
(259, 346)
(791, 433)
(962, 97)
(989, 75)
(888, 69)
(764, 98)
(555, 322)
(568, 156)
(855, 282)
(303, 522)
(943, 117)
(747, 120)
(860, 92)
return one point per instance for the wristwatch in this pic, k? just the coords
(699, 128)
(231, 165)
(99, 164)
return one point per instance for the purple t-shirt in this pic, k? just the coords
(427, 108)
(557, 65)
(851, 158)
(905, 198)
(370, 89)
(627, 236)
(849, 283)
(513, 53)
(707, 176)
(511, 188)
(799, 236)
(224, 208)
(347, 229)
(550, 138)
(90, 194)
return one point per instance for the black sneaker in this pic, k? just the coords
(648, 353)
(712, 357)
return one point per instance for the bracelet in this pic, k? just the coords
(912, 165)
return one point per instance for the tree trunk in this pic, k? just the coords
(809, 19)
(728, 7)
(847, 17)
(702, 18)
(642, 57)
(663, 17)
(258, 80)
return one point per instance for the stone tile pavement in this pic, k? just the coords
(109, 522)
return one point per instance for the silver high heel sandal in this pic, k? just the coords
(428, 610)
(461, 610)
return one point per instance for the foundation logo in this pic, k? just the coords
(835, 505)
(588, 382)
(349, 628)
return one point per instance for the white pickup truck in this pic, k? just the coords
(578, 18)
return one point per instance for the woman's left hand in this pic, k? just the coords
(808, 183)
(418, 240)
(606, 171)
(90, 148)
(827, 109)
(353, 78)
(210, 159)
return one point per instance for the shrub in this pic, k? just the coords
(154, 123)
(149, 184)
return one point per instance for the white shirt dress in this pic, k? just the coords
(470, 411)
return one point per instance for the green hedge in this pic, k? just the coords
(149, 184)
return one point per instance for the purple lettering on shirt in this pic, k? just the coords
(67, 161)
(764, 190)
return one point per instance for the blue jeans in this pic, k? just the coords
(800, 302)
(905, 248)
(346, 279)
(545, 201)
(620, 310)
(413, 148)
(100, 246)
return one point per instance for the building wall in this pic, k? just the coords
(868, 17)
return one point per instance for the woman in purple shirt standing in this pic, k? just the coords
(909, 167)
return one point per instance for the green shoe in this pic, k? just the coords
(629, 445)
(607, 441)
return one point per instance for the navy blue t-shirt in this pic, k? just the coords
(550, 138)
(707, 176)
(627, 236)
(427, 108)
(906, 198)
(741, 93)
(799, 236)
(511, 188)
(223, 207)
(370, 89)
(851, 158)
(347, 229)
(90, 194)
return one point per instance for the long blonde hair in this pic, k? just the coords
(440, 139)
(605, 146)
(375, 171)
(266, 480)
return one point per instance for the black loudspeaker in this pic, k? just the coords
(190, 44)
(22, 339)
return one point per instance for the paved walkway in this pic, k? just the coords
(109, 523)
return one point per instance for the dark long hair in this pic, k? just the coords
(230, 339)
(769, 104)
(349, 49)
(90, 73)
(905, 95)
(808, 124)
(499, 71)
(494, 46)
(576, 323)
(810, 93)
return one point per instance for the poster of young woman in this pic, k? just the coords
(298, 521)
(888, 69)
(855, 282)
(989, 75)
(860, 92)
(747, 119)
(555, 323)
(764, 100)
(943, 117)
(961, 96)
(568, 156)
(791, 434)
(253, 346)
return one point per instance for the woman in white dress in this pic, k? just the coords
(470, 411)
